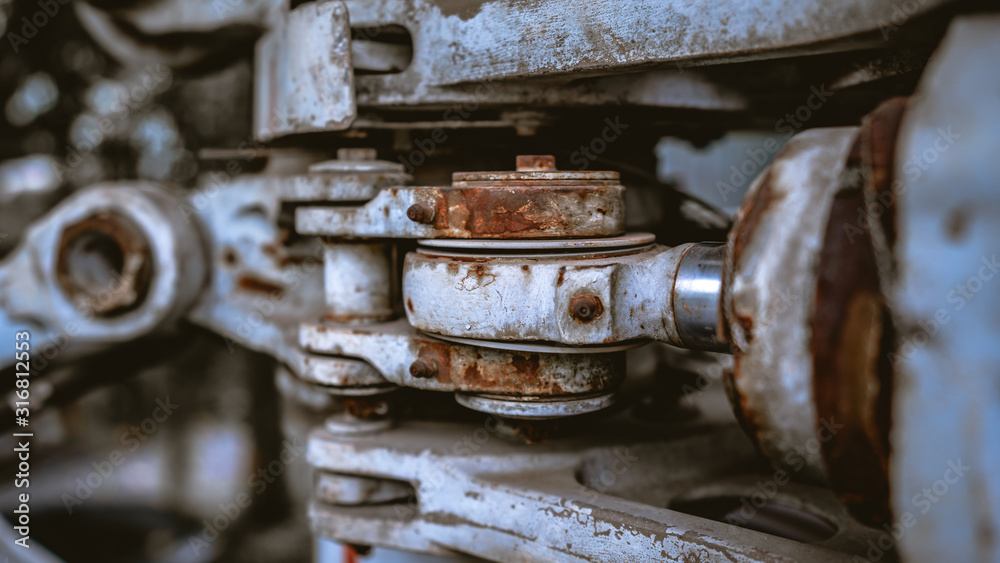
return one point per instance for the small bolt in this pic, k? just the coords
(420, 213)
(585, 308)
(423, 369)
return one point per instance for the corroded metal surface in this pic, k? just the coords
(539, 297)
(851, 329)
(260, 288)
(601, 496)
(522, 204)
(509, 212)
(137, 266)
(392, 348)
(304, 77)
(496, 41)
(768, 290)
(110, 242)
(359, 281)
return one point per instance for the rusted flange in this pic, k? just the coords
(104, 264)
(851, 329)
(536, 201)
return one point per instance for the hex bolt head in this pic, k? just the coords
(420, 213)
(586, 308)
(423, 369)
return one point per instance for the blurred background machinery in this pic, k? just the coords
(427, 280)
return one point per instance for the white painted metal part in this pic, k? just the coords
(513, 298)
(304, 77)
(770, 281)
(32, 296)
(946, 418)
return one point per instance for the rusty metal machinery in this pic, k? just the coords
(557, 362)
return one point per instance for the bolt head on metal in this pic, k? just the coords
(586, 308)
(423, 369)
(420, 213)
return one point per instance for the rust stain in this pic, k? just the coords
(512, 373)
(524, 211)
(586, 308)
(439, 352)
(229, 256)
(258, 285)
(502, 211)
(365, 407)
(472, 376)
(409, 304)
(535, 162)
(878, 137)
(750, 216)
(526, 366)
(746, 417)
(849, 333)
(477, 277)
(126, 251)
(294, 260)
